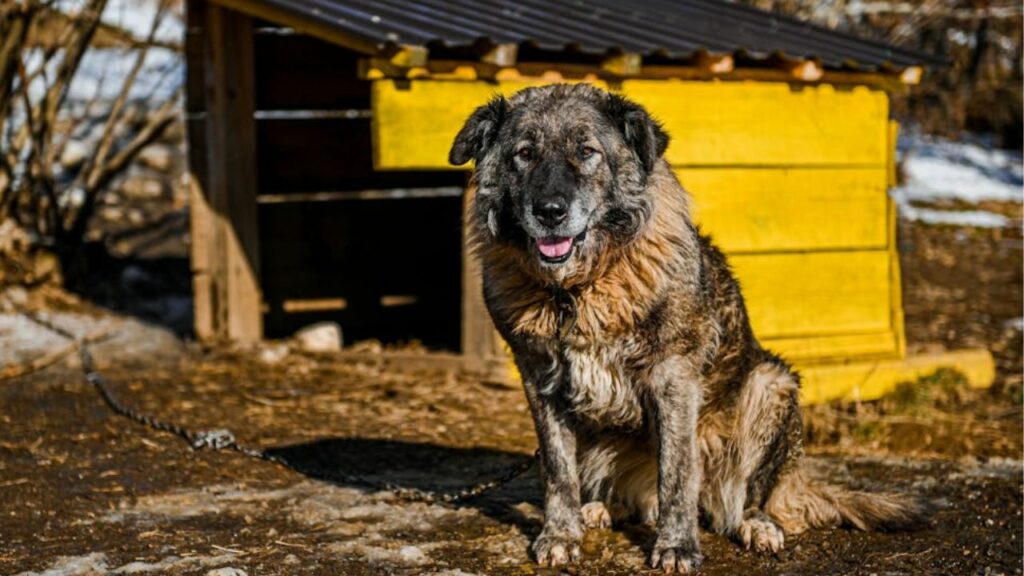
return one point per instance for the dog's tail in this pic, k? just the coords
(798, 503)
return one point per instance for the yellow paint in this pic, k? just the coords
(711, 123)
(415, 122)
(767, 123)
(815, 293)
(772, 209)
(867, 380)
(819, 348)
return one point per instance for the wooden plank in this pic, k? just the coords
(767, 123)
(283, 16)
(480, 340)
(836, 347)
(816, 293)
(711, 123)
(195, 94)
(299, 72)
(200, 229)
(895, 276)
(773, 209)
(720, 68)
(233, 251)
(868, 380)
(415, 123)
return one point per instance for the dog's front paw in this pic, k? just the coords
(761, 534)
(556, 549)
(676, 559)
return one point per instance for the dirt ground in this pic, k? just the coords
(85, 492)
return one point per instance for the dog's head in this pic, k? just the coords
(561, 173)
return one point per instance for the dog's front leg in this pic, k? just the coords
(559, 541)
(676, 395)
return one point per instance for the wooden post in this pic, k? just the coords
(227, 220)
(480, 341)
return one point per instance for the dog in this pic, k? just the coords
(652, 398)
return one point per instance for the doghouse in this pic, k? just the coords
(319, 133)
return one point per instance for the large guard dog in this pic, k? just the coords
(651, 397)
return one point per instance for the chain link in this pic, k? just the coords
(224, 439)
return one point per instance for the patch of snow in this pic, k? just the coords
(938, 169)
(941, 169)
(92, 564)
(95, 564)
(974, 218)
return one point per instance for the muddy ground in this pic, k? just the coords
(84, 492)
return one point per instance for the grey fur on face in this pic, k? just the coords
(651, 397)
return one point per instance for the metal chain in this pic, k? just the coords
(224, 439)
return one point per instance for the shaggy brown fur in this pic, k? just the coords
(651, 396)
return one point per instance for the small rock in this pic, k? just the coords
(16, 295)
(290, 560)
(319, 337)
(273, 353)
(142, 188)
(159, 158)
(74, 154)
(227, 572)
(412, 555)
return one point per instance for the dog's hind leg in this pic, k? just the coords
(741, 466)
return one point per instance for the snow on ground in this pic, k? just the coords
(941, 170)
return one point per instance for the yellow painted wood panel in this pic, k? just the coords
(771, 209)
(867, 380)
(414, 123)
(711, 123)
(836, 347)
(816, 293)
(767, 123)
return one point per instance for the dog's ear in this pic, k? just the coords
(479, 133)
(641, 132)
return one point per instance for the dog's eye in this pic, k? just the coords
(587, 152)
(525, 154)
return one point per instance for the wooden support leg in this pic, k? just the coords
(226, 252)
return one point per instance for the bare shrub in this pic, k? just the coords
(42, 46)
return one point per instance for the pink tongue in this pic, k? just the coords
(554, 247)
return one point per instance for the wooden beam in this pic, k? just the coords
(376, 69)
(407, 56)
(715, 64)
(502, 55)
(624, 64)
(912, 76)
(805, 70)
(299, 23)
(232, 234)
(479, 338)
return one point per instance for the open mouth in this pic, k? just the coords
(557, 249)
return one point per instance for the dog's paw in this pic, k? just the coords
(556, 549)
(596, 516)
(676, 559)
(761, 534)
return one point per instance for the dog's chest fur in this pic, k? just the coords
(600, 385)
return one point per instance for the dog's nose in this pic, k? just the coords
(550, 211)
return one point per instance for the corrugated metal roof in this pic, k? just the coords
(663, 29)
